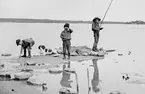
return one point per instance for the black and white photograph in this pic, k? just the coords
(72, 47)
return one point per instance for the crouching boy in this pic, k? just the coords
(25, 44)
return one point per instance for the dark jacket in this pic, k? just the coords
(95, 27)
(66, 34)
(27, 43)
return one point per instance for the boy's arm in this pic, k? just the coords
(70, 30)
(101, 28)
(21, 50)
(61, 35)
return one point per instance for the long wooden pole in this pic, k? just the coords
(77, 84)
(106, 13)
(89, 88)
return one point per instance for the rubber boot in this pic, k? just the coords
(68, 56)
(29, 53)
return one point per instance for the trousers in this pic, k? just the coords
(66, 47)
(96, 40)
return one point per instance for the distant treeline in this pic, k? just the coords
(24, 20)
(136, 22)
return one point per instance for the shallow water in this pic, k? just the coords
(102, 76)
(113, 36)
(122, 38)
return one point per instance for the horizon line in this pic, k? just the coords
(36, 20)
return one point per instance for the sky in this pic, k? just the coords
(120, 10)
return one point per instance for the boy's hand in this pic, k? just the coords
(101, 28)
(70, 30)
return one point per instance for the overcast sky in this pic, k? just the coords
(121, 10)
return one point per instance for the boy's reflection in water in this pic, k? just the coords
(95, 80)
(65, 81)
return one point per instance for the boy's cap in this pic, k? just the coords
(97, 18)
(18, 41)
(66, 25)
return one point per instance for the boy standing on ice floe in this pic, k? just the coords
(25, 44)
(66, 37)
(96, 28)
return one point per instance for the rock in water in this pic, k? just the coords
(30, 63)
(100, 53)
(14, 87)
(74, 54)
(92, 53)
(22, 75)
(54, 51)
(56, 55)
(83, 51)
(40, 70)
(26, 70)
(6, 54)
(77, 50)
(69, 70)
(6, 74)
(65, 90)
(120, 54)
(59, 50)
(85, 54)
(55, 71)
(36, 80)
(44, 87)
(1, 65)
(117, 92)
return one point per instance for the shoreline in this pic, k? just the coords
(48, 59)
(26, 20)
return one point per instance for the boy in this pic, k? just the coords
(96, 28)
(25, 44)
(41, 49)
(66, 37)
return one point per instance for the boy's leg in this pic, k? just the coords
(94, 42)
(96, 39)
(29, 52)
(68, 48)
(64, 49)
(24, 52)
(29, 47)
(94, 46)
